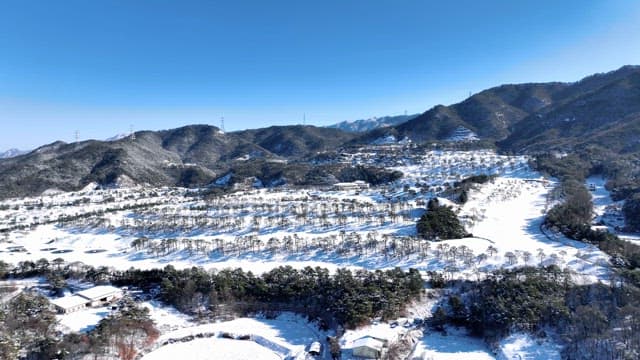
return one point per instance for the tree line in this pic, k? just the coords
(347, 298)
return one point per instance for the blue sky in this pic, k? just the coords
(97, 67)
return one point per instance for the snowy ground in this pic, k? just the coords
(453, 346)
(213, 348)
(508, 213)
(81, 321)
(524, 347)
(286, 336)
(166, 318)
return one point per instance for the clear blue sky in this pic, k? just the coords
(99, 66)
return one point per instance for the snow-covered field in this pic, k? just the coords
(264, 228)
(453, 346)
(213, 348)
(286, 336)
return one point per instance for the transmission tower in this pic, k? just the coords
(131, 133)
(77, 137)
(222, 123)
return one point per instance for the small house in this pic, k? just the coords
(368, 347)
(315, 348)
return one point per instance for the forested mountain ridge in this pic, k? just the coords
(187, 156)
(535, 116)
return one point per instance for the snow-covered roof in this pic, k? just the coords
(69, 302)
(98, 292)
(369, 341)
(315, 347)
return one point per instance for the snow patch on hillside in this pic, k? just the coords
(461, 134)
(523, 346)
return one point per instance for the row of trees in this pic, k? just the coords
(346, 298)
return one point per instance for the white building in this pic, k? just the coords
(69, 304)
(92, 297)
(315, 348)
(368, 347)
(100, 295)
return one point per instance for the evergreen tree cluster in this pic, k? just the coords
(594, 321)
(347, 297)
(631, 210)
(440, 223)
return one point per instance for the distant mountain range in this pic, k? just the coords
(600, 110)
(11, 153)
(365, 125)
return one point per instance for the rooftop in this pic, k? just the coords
(369, 341)
(68, 302)
(97, 292)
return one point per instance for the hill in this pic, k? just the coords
(531, 117)
(11, 153)
(188, 156)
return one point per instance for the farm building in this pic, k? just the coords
(92, 297)
(368, 347)
(100, 295)
(69, 304)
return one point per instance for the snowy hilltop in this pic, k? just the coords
(12, 153)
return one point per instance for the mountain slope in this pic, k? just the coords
(12, 153)
(364, 125)
(186, 156)
(295, 141)
(582, 115)
(519, 116)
